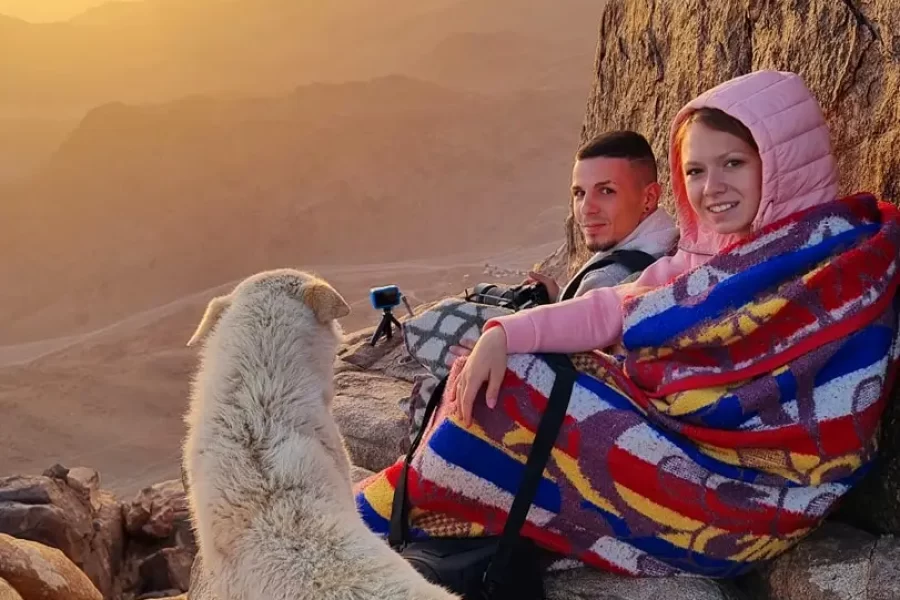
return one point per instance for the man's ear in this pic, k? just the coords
(324, 301)
(652, 194)
(213, 311)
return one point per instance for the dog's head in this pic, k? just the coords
(322, 300)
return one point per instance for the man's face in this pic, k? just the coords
(610, 197)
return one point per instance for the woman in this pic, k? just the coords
(759, 359)
(739, 162)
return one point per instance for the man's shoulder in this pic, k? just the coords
(594, 276)
(607, 275)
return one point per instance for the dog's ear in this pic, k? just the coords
(213, 311)
(324, 301)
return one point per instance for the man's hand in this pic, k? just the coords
(487, 363)
(549, 283)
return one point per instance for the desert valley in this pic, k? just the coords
(153, 152)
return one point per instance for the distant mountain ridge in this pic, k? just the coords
(162, 49)
(142, 204)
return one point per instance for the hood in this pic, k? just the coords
(655, 235)
(798, 167)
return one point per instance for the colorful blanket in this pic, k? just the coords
(747, 406)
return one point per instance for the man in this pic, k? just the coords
(615, 204)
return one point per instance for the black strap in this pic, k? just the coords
(399, 531)
(633, 260)
(544, 440)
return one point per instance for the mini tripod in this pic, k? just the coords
(385, 328)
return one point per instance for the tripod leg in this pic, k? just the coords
(380, 331)
(393, 320)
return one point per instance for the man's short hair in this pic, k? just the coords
(621, 144)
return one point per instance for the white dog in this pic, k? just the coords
(268, 474)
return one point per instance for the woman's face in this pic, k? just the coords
(723, 178)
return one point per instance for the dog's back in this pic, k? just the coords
(267, 470)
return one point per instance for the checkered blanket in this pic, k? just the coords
(747, 406)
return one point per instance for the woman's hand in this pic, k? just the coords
(487, 363)
(463, 349)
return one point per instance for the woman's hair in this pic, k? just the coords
(718, 120)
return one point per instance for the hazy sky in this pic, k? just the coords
(46, 10)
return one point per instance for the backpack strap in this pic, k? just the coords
(633, 260)
(398, 534)
(499, 570)
(551, 422)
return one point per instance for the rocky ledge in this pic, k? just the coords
(64, 537)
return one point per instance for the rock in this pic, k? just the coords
(7, 592)
(874, 504)
(47, 510)
(199, 588)
(357, 474)
(108, 545)
(161, 512)
(164, 595)
(591, 584)
(167, 569)
(38, 572)
(371, 383)
(837, 562)
(653, 57)
(161, 546)
(388, 357)
(84, 480)
(367, 410)
(557, 264)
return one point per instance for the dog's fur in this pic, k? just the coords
(267, 471)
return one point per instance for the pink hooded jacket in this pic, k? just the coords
(798, 171)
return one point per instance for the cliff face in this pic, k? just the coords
(653, 56)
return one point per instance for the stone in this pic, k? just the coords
(7, 592)
(590, 584)
(654, 57)
(161, 543)
(164, 595)
(167, 569)
(39, 572)
(388, 357)
(108, 543)
(47, 510)
(56, 471)
(160, 512)
(358, 474)
(367, 411)
(84, 480)
(200, 587)
(836, 562)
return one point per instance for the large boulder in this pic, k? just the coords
(161, 544)
(7, 591)
(837, 562)
(653, 57)
(590, 584)
(39, 572)
(160, 512)
(371, 383)
(66, 510)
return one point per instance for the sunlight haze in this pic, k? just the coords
(39, 11)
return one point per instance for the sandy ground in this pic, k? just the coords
(113, 399)
(458, 121)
